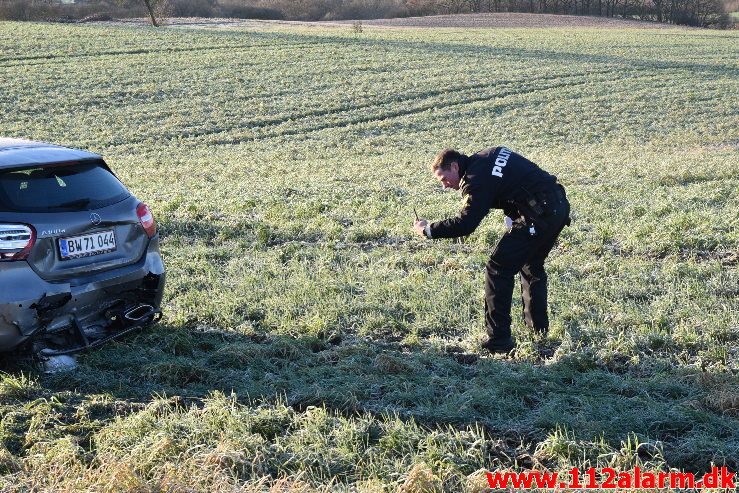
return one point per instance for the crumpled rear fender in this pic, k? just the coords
(20, 290)
(28, 303)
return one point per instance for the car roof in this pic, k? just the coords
(20, 152)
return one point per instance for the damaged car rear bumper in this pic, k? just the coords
(65, 317)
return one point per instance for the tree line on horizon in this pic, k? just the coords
(686, 12)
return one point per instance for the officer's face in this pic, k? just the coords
(449, 178)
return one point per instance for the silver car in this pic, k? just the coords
(79, 254)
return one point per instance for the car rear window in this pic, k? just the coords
(68, 187)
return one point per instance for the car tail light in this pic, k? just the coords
(16, 241)
(147, 219)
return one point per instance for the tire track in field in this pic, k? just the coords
(395, 114)
(355, 121)
(401, 113)
(531, 87)
(275, 121)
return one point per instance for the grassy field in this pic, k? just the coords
(310, 343)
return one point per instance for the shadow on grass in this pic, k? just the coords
(520, 402)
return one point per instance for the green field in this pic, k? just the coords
(310, 342)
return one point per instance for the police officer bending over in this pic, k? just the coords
(538, 210)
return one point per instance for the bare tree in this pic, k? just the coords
(153, 7)
(149, 8)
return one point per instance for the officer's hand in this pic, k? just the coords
(419, 226)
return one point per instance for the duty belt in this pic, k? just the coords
(537, 205)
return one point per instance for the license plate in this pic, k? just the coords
(87, 245)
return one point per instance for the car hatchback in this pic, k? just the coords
(79, 254)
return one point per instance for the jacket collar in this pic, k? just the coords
(463, 162)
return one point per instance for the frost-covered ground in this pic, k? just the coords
(310, 342)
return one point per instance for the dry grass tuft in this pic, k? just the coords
(121, 477)
(421, 479)
(477, 482)
(724, 401)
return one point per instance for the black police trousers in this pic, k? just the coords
(521, 251)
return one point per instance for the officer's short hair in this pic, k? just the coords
(444, 159)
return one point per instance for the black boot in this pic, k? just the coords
(499, 346)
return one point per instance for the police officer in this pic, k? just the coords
(537, 210)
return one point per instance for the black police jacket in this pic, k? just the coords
(494, 178)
